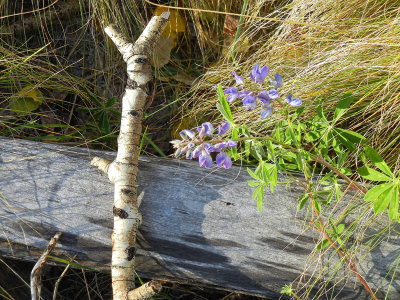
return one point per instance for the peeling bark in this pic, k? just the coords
(122, 171)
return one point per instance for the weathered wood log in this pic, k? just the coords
(199, 225)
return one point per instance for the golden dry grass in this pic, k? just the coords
(360, 55)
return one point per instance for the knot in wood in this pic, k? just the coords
(141, 60)
(131, 251)
(134, 113)
(132, 84)
(118, 212)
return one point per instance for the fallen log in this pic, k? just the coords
(199, 225)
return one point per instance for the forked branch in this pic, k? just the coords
(122, 171)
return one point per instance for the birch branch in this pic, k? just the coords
(122, 171)
(36, 282)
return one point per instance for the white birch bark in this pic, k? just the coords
(122, 171)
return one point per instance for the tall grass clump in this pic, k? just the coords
(348, 47)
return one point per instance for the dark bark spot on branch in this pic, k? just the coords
(127, 191)
(118, 212)
(131, 84)
(141, 60)
(131, 251)
(134, 113)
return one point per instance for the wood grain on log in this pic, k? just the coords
(199, 225)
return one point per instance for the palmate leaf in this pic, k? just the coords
(252, 174)
(343, 104)
(348, 138)
(383, 200)
(372, 174)
(377, 160)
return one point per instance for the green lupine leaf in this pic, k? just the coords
(104, 123)
(317, 206)
(287, 290)
(266, 173)
(323, 244)
(320, 112)
(260, 197)
(93, 97)
(252, 174)
(340, 228)
(253, 183)
(372, 174)
(111, 102)
(235, 136)
(383, 200)
(374, 192)
(223, 106)
(343, 104)
(274, 178)
(394, 204)
(348, 138)
(377, 160)
(302, 200)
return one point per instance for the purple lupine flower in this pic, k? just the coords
(257, 75)
(206, 129)
(186, 133)
(223, 128)
(277, 82)
(273, 94)
(249, 100)
(294, 101)
(266, 110)
(221, 146)
(223, 159)
(211, 148)
(233, 94)
(205, 159)
(197, 151)
(264, 97)
(239, 79)
(231, 144)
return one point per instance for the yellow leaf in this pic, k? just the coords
(175, 25)
(32, 92)
(26, 100)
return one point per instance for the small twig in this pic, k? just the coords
(101, 163)
(145, 291)
(58, 282)
(36, 281)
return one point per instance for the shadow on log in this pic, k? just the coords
(198, 225)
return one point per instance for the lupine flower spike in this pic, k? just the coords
(203, 144)
(250, 97)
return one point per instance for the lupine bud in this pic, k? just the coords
(239, 79)
(294, 101)
(186, 134)
(277, 82)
